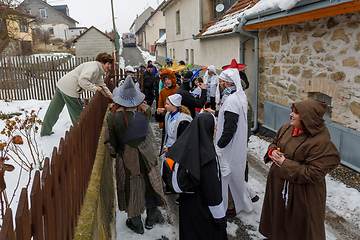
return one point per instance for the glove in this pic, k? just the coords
(221, 222)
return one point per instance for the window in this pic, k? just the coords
(324, 98)
(51, 31)
(187, 55)
(227, 5)
(23, 25)
(192, 56)
(43, 13)
(173, 57)
(161, 32)
(178, 22)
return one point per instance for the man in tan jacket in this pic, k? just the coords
(87, 76)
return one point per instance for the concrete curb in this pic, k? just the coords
(97, 217)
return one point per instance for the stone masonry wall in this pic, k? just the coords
(321, 56)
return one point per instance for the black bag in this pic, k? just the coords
(186, 183)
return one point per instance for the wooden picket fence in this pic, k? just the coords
(58, 191)
(31, 77)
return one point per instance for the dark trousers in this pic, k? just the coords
(211, 104)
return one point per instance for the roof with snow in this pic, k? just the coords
(161, 40)
(228, 20)
(268, 13)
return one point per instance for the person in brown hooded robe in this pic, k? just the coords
(169, 80)
(302, 154)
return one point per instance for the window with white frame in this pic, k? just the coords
(43, 13)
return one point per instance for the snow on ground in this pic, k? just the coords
(147, 56)
(45, 144)
(340, 198)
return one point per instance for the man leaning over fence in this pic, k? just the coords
(88, 76)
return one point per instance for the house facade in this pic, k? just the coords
(211, 40)
(138, 23)
(74, 32)
(152, 30)
(54, 19)
(92, 42)
(16, 34)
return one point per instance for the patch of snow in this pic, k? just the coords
(161, 40)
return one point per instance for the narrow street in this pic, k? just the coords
(132, 56)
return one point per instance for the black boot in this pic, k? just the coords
(135, 224)
(151, 218)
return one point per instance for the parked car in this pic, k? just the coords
(129, 40)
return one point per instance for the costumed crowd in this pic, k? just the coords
(206, 124)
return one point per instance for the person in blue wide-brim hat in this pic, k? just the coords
(130, 141)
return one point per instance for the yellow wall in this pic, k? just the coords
(14, 30)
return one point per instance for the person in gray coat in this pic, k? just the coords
(88, 76)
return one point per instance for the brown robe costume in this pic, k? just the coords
(294, 203)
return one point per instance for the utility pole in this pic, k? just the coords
(116, 35)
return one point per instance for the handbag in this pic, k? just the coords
(177, 178)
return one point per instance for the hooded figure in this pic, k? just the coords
(202, 212)
(295, 196)
(188, 100)
(130, 140)
(211, 79)
(231, 141)
(167, 90)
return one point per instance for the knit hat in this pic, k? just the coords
(126, 95)
(175, 99)
(188, 75)
(129, 69)
(167, 59)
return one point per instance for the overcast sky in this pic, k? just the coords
(98, 12)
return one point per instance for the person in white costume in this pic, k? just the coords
(231, 141)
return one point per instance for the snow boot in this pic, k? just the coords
(151, 218)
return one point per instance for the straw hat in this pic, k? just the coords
(176, 67)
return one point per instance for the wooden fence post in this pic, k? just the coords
(36, 209)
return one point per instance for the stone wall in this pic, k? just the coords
(318, 56)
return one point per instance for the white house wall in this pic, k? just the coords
(219, 51)
(152, 32)
(189, 12)
(61, 30)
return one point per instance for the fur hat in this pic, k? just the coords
(126, 95)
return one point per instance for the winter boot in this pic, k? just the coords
(135, 224)
(151, 218)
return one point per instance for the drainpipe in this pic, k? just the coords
(242, 20)
(200, 15)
